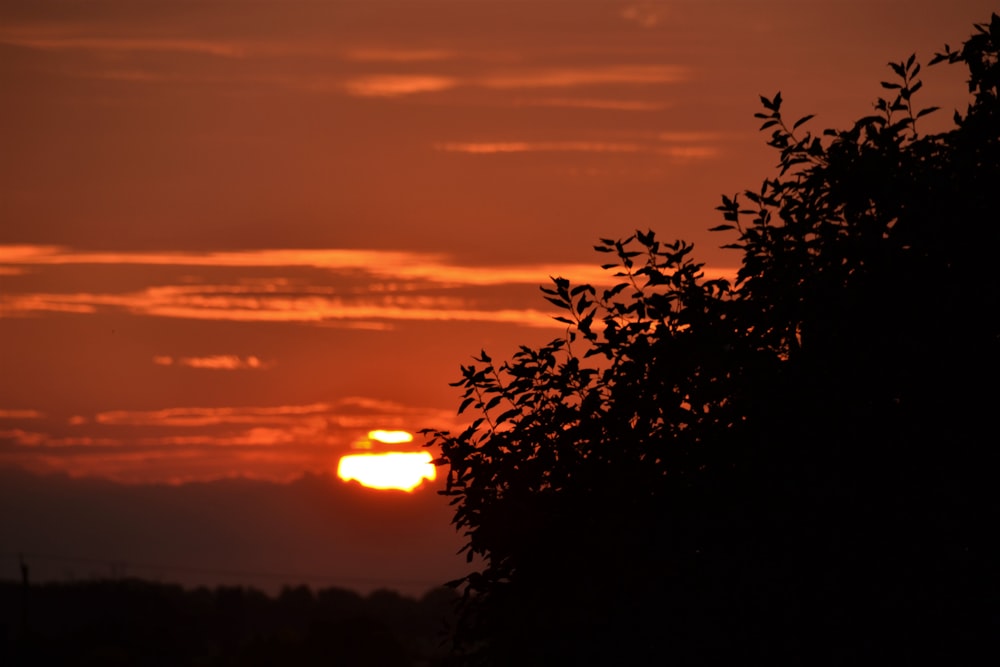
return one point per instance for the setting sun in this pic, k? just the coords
(390, 470)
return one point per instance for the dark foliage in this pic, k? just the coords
(134, 622)
(798, 467)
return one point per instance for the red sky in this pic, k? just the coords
(236, 236)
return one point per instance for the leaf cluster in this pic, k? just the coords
(642, 364)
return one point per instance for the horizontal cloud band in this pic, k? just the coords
(367, 289)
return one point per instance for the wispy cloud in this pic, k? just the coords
(36, 439)
(116, 43)
(120, 57)
(213, 416)
(690, 152)
(219, 362)
(385, 264)
(257, 436)
(538, 147)
(568, 77)
(366, 288)
(12, 305)
(6, 413)
(314, 258)
(645, 14)
(122, 44)
(22, 437)
(686, 152)
(354, 412)
(189, 302)
(396, 85)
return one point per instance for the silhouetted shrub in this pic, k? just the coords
(790, 468)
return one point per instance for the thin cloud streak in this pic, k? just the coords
(645, 14)
(118, 45)
(569, 77)
(220, 362)
(313, 258)
(183, 302)
(126, 51)
(539, 147)
(381, 263)
(689, 152)
(205, 416)
(352, 412)
(388, 85)
(501, 147)
(395, 85)
(380, 287)
(20, 414)
(81, 37)
(34, 439)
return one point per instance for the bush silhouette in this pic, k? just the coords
(796, 467)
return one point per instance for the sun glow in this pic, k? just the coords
(389, 470)
(390, 437)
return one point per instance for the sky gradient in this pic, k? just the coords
(237, 236)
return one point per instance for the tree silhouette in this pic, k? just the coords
(796, 467)
(134, 622)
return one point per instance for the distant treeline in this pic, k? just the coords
(136, 622)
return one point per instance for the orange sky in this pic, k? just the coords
(237, 236)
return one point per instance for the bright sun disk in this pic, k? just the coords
(389, 470)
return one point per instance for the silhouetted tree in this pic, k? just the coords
(134, 622)
(796, 467)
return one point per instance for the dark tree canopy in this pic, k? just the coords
(797, 467)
